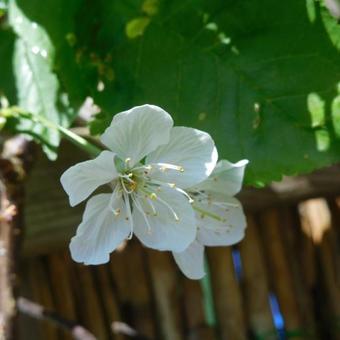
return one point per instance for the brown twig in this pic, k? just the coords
(37, 311)
(123, 328)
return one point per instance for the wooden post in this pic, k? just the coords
(165, 289)
(255, 283)
(280, 269)
(133, 289)
(227, 294)
(193, 305)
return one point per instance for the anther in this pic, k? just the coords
(116, 212)
(127, 161)
(153, 196)
(166, 166)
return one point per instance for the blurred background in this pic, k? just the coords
(280, 282)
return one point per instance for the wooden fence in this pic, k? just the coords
(282, 281)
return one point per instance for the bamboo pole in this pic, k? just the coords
(292, 239)
(27, 325)
(109, 298)
(133, 287)
(62, 289)
(42, 294)
(317, 215)
(165, 285)
(197, 328)
(280, 268)
(227, 294)
(88, 302)
(255, 283)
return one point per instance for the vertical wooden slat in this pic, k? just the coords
(292, 237)
(42, 294)
(255, 283)
(89, 303)
(165, 288)
(317, 214)
(109, 298)
(128, 268)
(280, 271)
(62, 289)
(227, 295)
(28, 328)
(195, 318)
(331, 285)
(307, 253)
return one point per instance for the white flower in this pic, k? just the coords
(149, 163)
(219, 216)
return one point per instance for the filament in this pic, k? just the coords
(139, 207)
(166, 166)
(128, 212)
(169, 207)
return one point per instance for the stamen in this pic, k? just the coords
(170, 208)
(154, 211)
(127, 161)
(173, 186)
(153, 196)
(208, 213)
(139, 207)
(224, 204)
(124, 187)
(161, 184)
(185, 194)
(128, 212)
(143, 167)
(116, 212)
(206, 198)
(166, 166)
(127, 177)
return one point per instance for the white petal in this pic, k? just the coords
(101, 230)
(191, 149)
(191, 261)
(226, 231)
(161, 230)
(80, 180)
(226, 178)
(136, 132)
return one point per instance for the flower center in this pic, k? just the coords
(142, 192)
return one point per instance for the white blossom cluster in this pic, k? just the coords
(167, 189)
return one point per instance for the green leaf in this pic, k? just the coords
(7, 82)
(251, 94)
(37, 85)
(71, 61)
(260, 76)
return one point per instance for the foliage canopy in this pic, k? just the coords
(260, 76)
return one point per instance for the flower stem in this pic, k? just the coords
(77, 140)
(208, 300)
